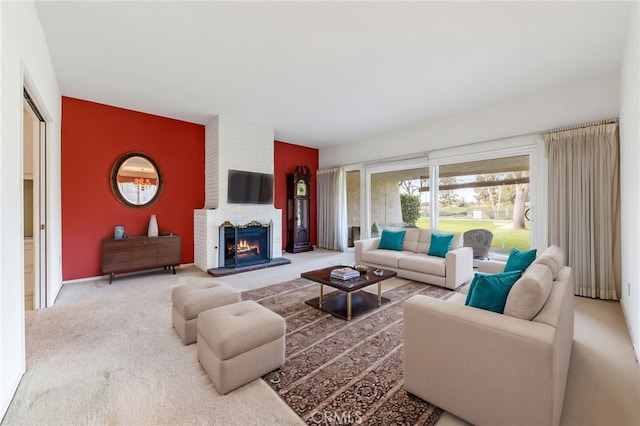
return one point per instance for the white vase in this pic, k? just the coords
(153, 226)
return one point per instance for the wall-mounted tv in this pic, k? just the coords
(250, 187)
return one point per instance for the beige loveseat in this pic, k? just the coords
(489, 368)
(413, 262)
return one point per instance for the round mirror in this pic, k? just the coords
(136, 180)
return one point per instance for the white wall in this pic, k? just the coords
(24, 50)
(630, 176)
(589, 101)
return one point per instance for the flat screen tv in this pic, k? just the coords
(250, 187)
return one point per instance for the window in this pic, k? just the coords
(487, 194)
(399, 198)
(353, 206)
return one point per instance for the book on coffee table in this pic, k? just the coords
(344, 273)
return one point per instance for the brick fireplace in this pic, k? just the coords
(232, 144)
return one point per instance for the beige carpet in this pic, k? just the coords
(107, 354)
(71, 346)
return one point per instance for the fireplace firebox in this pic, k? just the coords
(244, 245)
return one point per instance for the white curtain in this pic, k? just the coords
(332, 209)
(584, 205)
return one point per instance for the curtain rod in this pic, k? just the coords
(541, 132)
(580, 126)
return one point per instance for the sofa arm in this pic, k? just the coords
(491, 266)
(487, 368)
(458, 267)
(365, 245)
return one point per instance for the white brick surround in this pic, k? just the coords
(232, 144)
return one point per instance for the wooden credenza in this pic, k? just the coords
(138, 253)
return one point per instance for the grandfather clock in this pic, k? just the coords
(298, 210)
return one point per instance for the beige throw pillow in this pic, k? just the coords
(553, 257)
(548, 262)
(529, 294)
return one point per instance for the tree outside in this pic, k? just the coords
(410, 208)
(448, 197)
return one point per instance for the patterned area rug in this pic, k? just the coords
(345, 372)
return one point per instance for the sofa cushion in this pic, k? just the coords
(440, 244)
(519, 260)
(490, 291)
(458, 298)
(382, 257)
(422, 263)
(410, 242)
(552, 257)
(424, 239)
(457, 241)
(529, 293)
(548, 262)
(390, 240)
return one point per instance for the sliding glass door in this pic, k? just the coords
(490, 194)
(399, 198)
(353, 206)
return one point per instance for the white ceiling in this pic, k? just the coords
(323, 73)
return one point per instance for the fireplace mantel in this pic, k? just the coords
(246, 225)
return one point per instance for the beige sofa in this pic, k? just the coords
(489, 368)
(413, 262)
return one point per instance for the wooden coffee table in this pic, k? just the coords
(355, 302)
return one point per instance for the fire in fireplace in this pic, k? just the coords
(246, 248)
(245, 245)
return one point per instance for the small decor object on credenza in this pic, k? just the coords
(118, 232)
(153, 226)
(344, 273)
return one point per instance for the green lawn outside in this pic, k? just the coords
(504, 236)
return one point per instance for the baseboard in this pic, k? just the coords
(106, 276)
(7, 402)
(634, 345)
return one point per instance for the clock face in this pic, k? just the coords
(301, 188)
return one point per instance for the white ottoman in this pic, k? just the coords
(191, 299)
(239, 343)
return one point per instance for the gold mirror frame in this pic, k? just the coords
(132, 175)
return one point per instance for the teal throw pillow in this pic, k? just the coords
(472, 286)
(519, 260)
(490, 291)
(391, 240)
(440, 244)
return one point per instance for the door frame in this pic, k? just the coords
(40, 229)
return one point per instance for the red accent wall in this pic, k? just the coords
(286, 157)
(94, 136)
